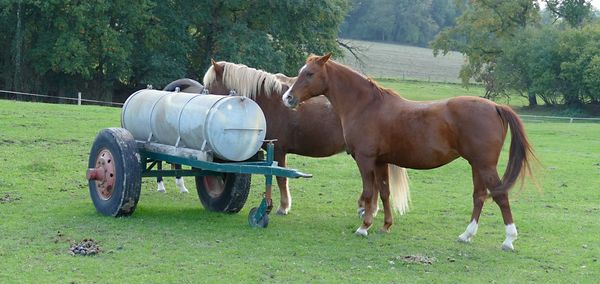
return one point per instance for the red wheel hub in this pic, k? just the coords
(104, 174)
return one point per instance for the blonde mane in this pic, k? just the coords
(247, 81)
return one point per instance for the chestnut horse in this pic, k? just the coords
(380, 127)
(313, 129)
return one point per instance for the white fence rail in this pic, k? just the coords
(79, 100)
(547, 118)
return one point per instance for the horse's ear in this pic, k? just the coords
(218, 69)
(323, 59)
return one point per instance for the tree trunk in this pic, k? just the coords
(18, 46)
(532, 98)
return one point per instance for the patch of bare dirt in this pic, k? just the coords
(87, 247)
(9, 198)
(420, 259)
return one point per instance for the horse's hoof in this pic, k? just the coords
(384, 230)
(362, 232)
(282, 211)
(508, 247)
(464, 239)
(161, 187)
(184, 190)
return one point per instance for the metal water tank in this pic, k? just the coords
(231, 127)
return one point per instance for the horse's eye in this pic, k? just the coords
(309, 74)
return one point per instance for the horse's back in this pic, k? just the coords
(437, 132)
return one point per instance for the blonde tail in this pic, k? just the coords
(399, 190)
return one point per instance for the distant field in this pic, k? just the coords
(384, 60)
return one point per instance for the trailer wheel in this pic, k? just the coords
(226, 193)
(114, 172)
(262, 222)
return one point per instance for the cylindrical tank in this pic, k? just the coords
(231, 127)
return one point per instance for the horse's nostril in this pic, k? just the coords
(292, 101)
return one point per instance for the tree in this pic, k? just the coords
(104, 47)
(579, 52)
(401, 21)
(507, 50)
(272, 35)
(479, 34)
(573, 11)
(530, 63)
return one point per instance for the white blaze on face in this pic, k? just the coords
(302, 69)
(286, 97)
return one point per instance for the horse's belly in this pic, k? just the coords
(422, 159)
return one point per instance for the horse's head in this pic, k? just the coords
(311, 82)
(213, 79)
(249, 82)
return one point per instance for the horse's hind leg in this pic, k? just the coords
(285, 201)
(511, 230)
(489, 176)
(501, 198)
(479, 196)
(179, 180)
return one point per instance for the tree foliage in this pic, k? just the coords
(479, 34)
(509, 48)
(101, 47)
(573, 12)
(401, 21)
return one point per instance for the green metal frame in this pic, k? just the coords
(255, 165)
(205, 168)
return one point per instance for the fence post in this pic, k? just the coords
(78, 98)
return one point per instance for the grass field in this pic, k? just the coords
(45, 206)
(385, 60)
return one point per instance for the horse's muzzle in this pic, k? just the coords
(289, 100)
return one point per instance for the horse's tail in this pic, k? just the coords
(399, 190)
(520, 153)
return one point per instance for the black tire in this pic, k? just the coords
(121, 198)
(227, 193)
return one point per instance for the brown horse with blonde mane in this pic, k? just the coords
(380, 127)
(313, 129)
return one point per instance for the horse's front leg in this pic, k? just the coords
(366, 167)
(285, 202)
(361, 205)
(179, 180)
(383, 186)
(159, 179)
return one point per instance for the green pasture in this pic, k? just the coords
(45, 207)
